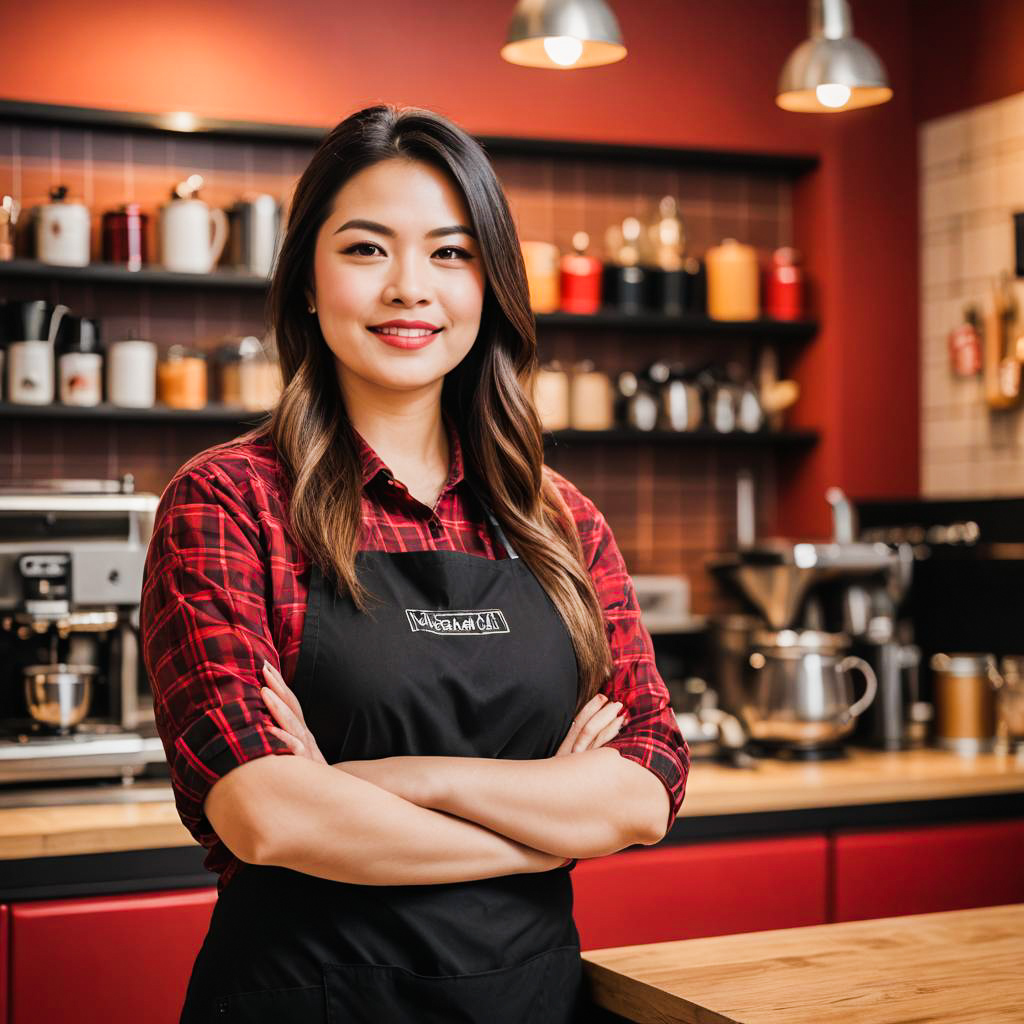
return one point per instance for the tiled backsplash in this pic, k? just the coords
(972, 181)
(669, 505)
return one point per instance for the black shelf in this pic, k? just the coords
(789, 164)
(802, 438)
(214, 413)
(114, 273)
(606, 319)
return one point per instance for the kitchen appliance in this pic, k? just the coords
(74, 699)
(784, 672)
(968, 574)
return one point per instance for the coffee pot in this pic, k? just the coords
(802, 694)
(192, 235)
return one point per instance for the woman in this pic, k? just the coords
(388, 584)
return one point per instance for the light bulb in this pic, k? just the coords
(832, 95)
(563, 50)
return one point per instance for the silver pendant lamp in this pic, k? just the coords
(563, 35)
(832, 71)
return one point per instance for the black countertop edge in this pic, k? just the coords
(99, 874)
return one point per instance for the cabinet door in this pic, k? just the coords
(886, 873)
(108, 960)
(686, 892)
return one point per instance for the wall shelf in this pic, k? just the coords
(245, 418)
(184, 123)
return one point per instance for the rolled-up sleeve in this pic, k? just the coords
(204, 637)
(650, 735)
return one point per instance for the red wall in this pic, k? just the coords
(697, 74)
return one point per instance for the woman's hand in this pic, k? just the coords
(291, 724)
(593, 727)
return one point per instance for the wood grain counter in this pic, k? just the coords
(864, 777)
(951, 967)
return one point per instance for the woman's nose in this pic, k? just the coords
(408, 282)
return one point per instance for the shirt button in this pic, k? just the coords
(435, 528)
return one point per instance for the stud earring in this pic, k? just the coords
(312, 309)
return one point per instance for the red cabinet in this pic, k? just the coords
(108, 960)
(4, 987)
(886, 873)
(685, 892)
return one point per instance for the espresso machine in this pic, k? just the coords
(74, 699)
(823, 621)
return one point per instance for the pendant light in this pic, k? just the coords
(832, 71)
(563, 35)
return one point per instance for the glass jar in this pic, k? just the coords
(181, 378)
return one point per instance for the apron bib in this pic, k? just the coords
(462, 656)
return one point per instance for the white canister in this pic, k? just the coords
(192, 236)
(30, 372)
(79, 361)
(131, 374)
(591, 398)
(62, 231)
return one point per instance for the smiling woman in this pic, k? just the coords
(387, 584)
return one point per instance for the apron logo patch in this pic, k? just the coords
(467, 622)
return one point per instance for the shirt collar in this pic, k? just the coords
(373, 464)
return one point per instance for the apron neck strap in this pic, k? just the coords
(499, 532)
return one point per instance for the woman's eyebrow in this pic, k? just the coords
(381, 229)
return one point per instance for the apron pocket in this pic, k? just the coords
(541, 990)
(271, 1006)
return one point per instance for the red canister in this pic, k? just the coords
(580, 278)
(785, 286)
(124, 236)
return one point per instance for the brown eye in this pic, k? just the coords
(462, 254)
(362, 245)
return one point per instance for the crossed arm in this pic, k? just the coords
(411, 820)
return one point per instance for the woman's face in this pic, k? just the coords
(397, 246)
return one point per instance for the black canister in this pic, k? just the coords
(666, 291)
(624, 288)
(695, 286)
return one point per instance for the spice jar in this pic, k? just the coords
(542, 275)
(228, 378)
(580, 278)
(551, 396)
(181, 378)
(591, 398)
(79, 362)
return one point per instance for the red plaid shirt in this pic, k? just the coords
(225, 588)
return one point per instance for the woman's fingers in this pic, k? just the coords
(281, 712)
(295, 744)
(587, 735)
(593, 705)
(281, 688)
(608, 732)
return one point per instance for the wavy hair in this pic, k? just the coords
(488, 395)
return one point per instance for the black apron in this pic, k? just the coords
(467, 657)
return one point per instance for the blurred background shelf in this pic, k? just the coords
(215, 413)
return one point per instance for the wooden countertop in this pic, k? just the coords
(862, 778)
(950, 967)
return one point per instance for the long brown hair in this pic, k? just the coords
(488, 395)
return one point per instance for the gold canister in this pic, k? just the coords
(965, 701)
(543, 275)
(733, 281)
(591, 398)
(181, 378)
(551, 396)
